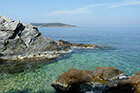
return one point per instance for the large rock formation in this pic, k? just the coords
(22, 41)
(19, 41)
(82, 81)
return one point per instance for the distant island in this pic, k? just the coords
(52, 25)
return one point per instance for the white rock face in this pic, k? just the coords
(7, 24)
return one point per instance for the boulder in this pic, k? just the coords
(107, 73)
(81, 81)
(132, 85)
(69, 82)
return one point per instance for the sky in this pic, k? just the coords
(95, 13)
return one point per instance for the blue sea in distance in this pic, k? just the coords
(124, 43)
(124, 54)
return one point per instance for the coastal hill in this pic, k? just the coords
(52, 25)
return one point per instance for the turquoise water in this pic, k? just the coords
(124, 54)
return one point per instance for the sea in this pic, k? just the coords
(121, 49)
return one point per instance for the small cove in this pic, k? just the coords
(125, 56)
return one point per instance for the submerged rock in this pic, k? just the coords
(83, 81)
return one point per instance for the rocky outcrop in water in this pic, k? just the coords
(75, 45)
(20, 41)
(24, 41)
(83, 81)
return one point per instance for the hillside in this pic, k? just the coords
(52, 25)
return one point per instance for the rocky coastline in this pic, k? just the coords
(19, 41)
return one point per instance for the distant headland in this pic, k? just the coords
(52, 25)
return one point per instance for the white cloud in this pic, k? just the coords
(128, 3)
(82, 10)
(87, 9)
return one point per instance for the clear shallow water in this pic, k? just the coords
(125, 56)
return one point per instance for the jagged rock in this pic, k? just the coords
(21, 41)
(83, 81)
(17, 38)
(7, 24)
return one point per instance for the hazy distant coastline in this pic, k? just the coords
(52, 25)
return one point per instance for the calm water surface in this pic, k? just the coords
(125, 55)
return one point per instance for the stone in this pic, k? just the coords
(132, 85)
(7, 24)
(83, 81)
(64, 43)
(69, 82)
(107, 73)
